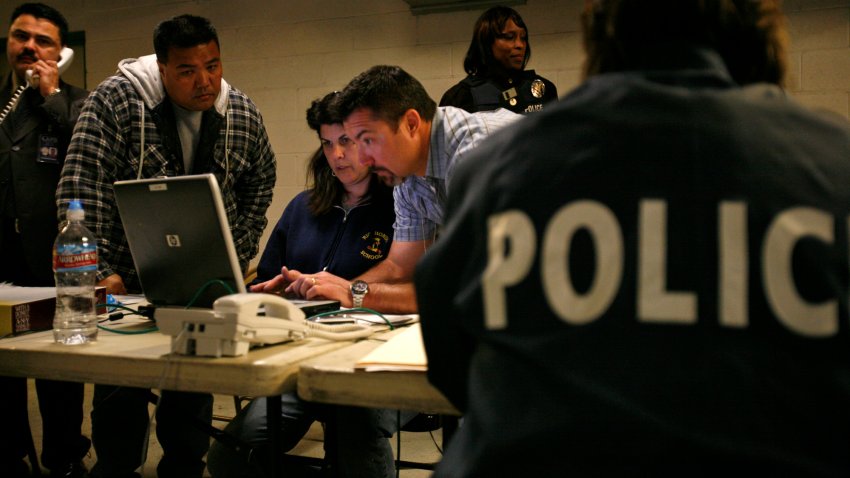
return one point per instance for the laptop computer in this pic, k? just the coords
(180, 239)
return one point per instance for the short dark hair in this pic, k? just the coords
(479, 56)
(182, 31)
(326, 190)
(40, 10)
(749, 35)
(389, 92)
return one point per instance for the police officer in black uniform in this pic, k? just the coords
(495, 66)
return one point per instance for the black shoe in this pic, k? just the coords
(72, 470)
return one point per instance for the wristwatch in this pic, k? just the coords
(359, 289)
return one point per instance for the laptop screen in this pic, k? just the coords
(180, 239)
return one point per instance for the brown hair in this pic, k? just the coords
(749, 35)
(326, 190)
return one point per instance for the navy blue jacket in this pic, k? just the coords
(343, 244)
(521, 92)
(567, 358)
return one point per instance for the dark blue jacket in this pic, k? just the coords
(344, 245)
(521, 92)
(732, 201)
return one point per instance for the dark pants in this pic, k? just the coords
(61, 406)
(119, 425)
(356, 439)
(61, 403)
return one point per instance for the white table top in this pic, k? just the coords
(144, 361)
(332, 378)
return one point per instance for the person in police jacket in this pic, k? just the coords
(650, 278)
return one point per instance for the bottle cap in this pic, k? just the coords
(75, 211)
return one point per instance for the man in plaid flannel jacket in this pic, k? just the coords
(133, 126)
(164, 115)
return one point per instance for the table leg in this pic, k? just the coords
(273, 422)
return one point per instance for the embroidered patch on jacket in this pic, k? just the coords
(376, 243)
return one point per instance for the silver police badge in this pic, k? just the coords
(538, 88)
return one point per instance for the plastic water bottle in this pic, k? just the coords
(75, 269)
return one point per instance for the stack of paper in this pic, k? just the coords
(405, 351)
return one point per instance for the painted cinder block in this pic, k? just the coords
(825, 70)
(285, 54)
(819, 29)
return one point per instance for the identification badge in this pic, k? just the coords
(48, 149)
(509, 94)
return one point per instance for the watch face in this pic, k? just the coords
(359, 287)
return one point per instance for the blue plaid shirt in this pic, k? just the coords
(455, 133)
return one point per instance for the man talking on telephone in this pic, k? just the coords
(34, 135)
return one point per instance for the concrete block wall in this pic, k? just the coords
(285, 54)
(819, 63)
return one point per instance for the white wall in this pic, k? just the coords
(286, 53)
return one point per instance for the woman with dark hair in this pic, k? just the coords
(342, 224)
(495, 66)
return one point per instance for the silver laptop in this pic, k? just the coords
(180, 239)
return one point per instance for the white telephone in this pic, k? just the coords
(235, 323)
(66, 56)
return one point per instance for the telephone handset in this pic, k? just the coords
(283, 320)
(66, 56)
(247, 307)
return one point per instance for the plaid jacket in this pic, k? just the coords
(106, 148)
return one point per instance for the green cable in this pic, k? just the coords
(206, 286)
(128, 332)
(154, 329)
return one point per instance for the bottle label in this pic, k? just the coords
(75, 258)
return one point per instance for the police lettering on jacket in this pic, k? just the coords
(513, 248)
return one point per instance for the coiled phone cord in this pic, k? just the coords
(15, 98)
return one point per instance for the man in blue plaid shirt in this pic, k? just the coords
(164, 115)
(411, 143)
